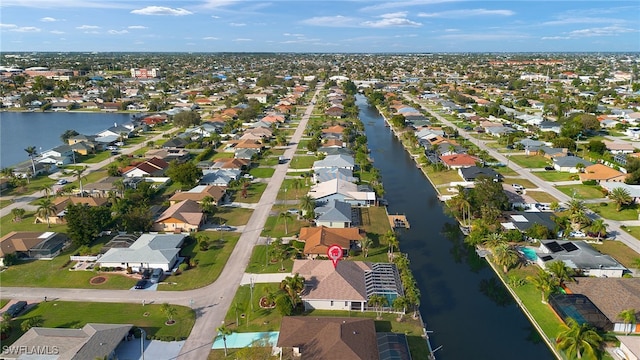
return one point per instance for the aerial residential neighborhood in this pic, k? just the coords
(199, 223)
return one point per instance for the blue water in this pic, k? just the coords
(528, 253)
(242, 340)
(19, 130)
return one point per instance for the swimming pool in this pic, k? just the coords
(529, 253)
(241, 340)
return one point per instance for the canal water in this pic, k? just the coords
(470, 313)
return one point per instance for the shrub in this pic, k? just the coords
(204, 245)
(589, 182)
(129, 270)
(603, 204)
(183, 267)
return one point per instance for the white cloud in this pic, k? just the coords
(218, 3)
(210, 38)
(404, 4)
(8, 26)
(87, 27)
(215, 16)
(26, 29)
(390, 22)
(331, 21)
(161, 10)
(603, 31)
(296, 35)
(117, 32)
(137, 27)
(50, 19)
(47, 4)
(57, 32)
(463, 13)
(555, 38)
(484, 36)
(92, 32)
(399, 14)
(582, 20)
(237, 24)
(242, 39)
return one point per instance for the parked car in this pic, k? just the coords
(549, 168)
(156, 275)
(248, 176)
(141, 284)
(16, 308)
(61, 182)
(146, 274)
(223, 228)
(518, 187)
(578, 233)
(293, 211)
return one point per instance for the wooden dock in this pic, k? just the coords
(399, 221)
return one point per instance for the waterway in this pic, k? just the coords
(19, 130)
(463, 303)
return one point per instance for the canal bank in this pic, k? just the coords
(470, 317)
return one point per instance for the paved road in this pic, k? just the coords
(211, 302)
(613, 226)
(23, 201)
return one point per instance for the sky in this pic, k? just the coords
(329, 26)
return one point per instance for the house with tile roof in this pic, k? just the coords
(60, 204)
(319, 338)
(92, 341)
(570, 163)
(185, 215)
(600, 172)
(317, 240)
(457, 161)
(198, 193)
(348, 286)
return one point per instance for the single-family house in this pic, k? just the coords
(630, 345)
(148, 251)
(472, 173)
(619, 147)
(549, 126)
(523, 220)
(151, 167)
(326, 174)
(612, 296)
(633, 190)
(116, 130)
(103, 187)
(200, 192)
(457, 161)
(60, 204)
(333, 132)
(92, 341)
(579, 256)
(219, 177)
(335, 161)
(313, 337)
(176, 142)
(317, 240)
(347, 286)
(186, 215)
(32, 244)
(168, 154)
(571, 164)
(336, 214)
(342, 190)
(600, 172)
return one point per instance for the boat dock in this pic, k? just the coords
(399, 221)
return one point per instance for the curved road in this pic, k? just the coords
(211, 302)
(613, 226)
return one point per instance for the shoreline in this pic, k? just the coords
(516, 298)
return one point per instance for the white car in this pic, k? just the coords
(517, 186)
(578, 234)
(61, 182)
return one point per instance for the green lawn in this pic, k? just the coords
(291, 192)
(210, 262)
(553, 176)
(3, 302)
(56, 273)
(524, 182)
(258, 263)
(7, 224)
(505, 171)
(526, 161)
(35, 184)
(608, 211)
(634, 231)
(262, 172)
(541, 196)
(582, 191)
(254, 193)
(275, 226)
(232, 216)
(96, 158)
(254, 320)
(302, 162)
(619, 251)
(443, 177)
(268, 161)
(64, 314)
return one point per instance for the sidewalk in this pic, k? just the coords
(263, 278)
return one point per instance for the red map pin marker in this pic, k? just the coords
(334, 252)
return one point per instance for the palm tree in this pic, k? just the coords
(400, 305)
(307, 204)
(77, 172)
(18, 213)
(237, 307)
(224, 331)
(31, 322)
(169, 311)
(629, 318)
(46, 208)
(285, 215)
(560, 270)
(32, 152)
(621, 196)
(494, 239)
(544, 282)
(378, 302)
(365, 244)
(599, 227)
(579, 340)
(46, 189)
(207, 205)
(293, 286)
(392, 239)
(505, 255)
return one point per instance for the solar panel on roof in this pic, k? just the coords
(547, 258)
(554, 247)
(569, 247)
